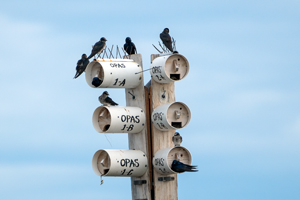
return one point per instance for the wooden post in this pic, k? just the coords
(162, 94)
(140, 186)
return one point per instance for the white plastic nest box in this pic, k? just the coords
(162, 160)
(120, 163)
(119, 119)
(171, 116)
(114, 73)
(169, 68)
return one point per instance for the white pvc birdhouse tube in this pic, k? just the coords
(115, 73)
(171, 116)
(120, 163)
(119, 119)
(169, 68)
(162, 160)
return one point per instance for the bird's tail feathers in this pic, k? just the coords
(192, 168)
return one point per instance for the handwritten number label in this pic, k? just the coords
(123, 172)
(121, 83)
(160, 77)
(129, 119)
(129, 173)
(116, 81)
(129, 128)
(161, 125)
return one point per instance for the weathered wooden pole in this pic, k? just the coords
(165, 187)
(140, 186)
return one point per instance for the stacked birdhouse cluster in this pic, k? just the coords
(151, 115)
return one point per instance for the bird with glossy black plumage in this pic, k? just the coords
(166, 39)
(98, 47)
(129, 46)
(81, 65)
(180, 167)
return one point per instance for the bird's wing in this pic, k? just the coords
(126, 48)
(165, 37)
(85, 63)
(79, 63)
(135, 51)
(99, 46)
(110, 101)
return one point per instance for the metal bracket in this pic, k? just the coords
(177, 114)
(133, 96)
(139, 182)
(167, 178)
(163, 95)
(176, 67)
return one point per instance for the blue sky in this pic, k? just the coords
(242, 89)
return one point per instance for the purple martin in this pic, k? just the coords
(105, 100)
(177, 139)
(98, 47)
(166, 39)
(129, 46)
(97, 81)
(180, 167)
(81, 65)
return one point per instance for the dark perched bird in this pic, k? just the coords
(177, 139)
(129, 46)
(105, 100)
(81, 65)
(180, 167)
(166, 39)
(98, 47)
(97, 81)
